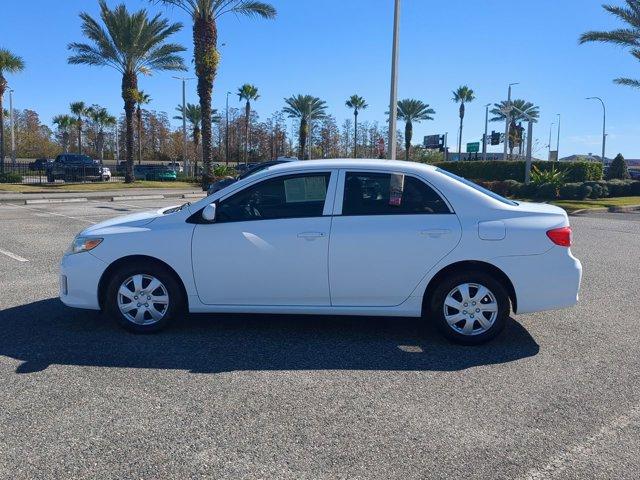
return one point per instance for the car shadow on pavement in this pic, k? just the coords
(47, 333)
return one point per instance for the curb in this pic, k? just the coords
(123, 198)
(40, 201)
(31, 199)
(612, 209)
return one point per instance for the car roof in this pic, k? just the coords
(350, 163)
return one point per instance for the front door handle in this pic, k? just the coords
(434, 233)
(311, 235)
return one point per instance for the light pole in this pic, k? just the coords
(184, 123)
(550, 132)
(226, 132)
(13, 130)
(486, 131)
(558, 142)
(507, 120)
(393, 102)
(604, 125)
(530, 120)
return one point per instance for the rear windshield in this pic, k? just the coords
(477, 187)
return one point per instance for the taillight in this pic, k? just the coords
(560, 236)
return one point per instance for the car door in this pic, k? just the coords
(388, 231)
(269, 244)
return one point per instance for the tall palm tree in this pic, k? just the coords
(248, 93)
(102, 119)
(81, 111)
(307, 108)
(64, 124)
(133, 44)
(356, 103)
(193, 115)
(411, 110)
(521, 110)
(205, 14)
(628, 36)
(141, 99)
(462, 95)
(9, 63)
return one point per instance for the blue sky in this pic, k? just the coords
(334, 48)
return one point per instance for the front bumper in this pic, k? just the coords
(549, 281)
(80, 274)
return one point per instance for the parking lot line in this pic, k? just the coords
(40, 210)
(13, 255)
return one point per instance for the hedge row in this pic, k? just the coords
(568, 191)
(10, 177)
(499, 170)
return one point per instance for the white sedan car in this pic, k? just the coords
(335, 237)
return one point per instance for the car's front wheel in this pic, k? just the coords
(144, 298)
(470, 308)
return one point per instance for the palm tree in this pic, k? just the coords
(356, 103)
(628, 37)
(521, 110)
(462, 95)
(64, 123)
(133, 44)
(9, 63)
(205, 14)
(141, 99)
(193, 115)
(247, 92)
(101, 119)
(307, 108)
(81, 111)
(411, 110)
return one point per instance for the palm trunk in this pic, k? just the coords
(205, 39)
(246, 129)
(65, 142)
(408, 133)
(79, 136)
(139, 115)
(304, 130)
(129, 88)
(3, 86)
(460, 132)
(355, 134)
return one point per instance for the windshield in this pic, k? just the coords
(477, 187)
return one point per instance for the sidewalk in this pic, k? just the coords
(108, 195)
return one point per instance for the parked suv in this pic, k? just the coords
(72, 167)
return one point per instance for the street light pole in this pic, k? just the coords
(507, 121)
(13, 130)
(604, 125)
(393, 102)
(226, 132)
(558, 142)
(486, 131)
(550, 133)
(184, 123)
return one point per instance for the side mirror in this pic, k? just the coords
(209, 213)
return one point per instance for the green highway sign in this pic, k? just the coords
(473, 147)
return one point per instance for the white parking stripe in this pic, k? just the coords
(40, 210)
(13, 255)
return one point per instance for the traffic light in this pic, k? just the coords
(495, 138)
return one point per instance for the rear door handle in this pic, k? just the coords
(311, 235)
(434, 233)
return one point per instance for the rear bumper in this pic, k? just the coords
(549, 281)
(79, 277)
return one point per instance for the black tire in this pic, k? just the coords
(479, 333)
(172, 286)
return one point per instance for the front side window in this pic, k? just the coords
(389, 193)
(292, 196)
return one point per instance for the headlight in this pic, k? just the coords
(84, 244)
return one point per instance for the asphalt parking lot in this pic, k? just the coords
(220, 396)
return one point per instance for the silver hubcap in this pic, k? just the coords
(143, 299)
(470, 309)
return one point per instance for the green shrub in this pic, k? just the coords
(598, 189)
(618, 168)
(10, 177)
(634, 189)
(223, 171)
(547, 191)
(584, 191)
(553, 176)
(499, 170)
(570, 191)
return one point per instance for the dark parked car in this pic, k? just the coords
(72, 167)
(252, 168)
(40, 164)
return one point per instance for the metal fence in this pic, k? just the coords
(41, 172)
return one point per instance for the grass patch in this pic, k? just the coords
(94, 187)
(572, 205)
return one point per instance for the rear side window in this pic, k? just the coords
(292, 196)
(388, 194)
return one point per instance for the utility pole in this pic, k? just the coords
(558, 142)
(604, 126)
(550, 133)
(486, 131)
(13, 129)
(507, 121)
(226, 132)
(393, 102)
(184, 124)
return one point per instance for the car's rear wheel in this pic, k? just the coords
(470, 308)
(143, 298)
